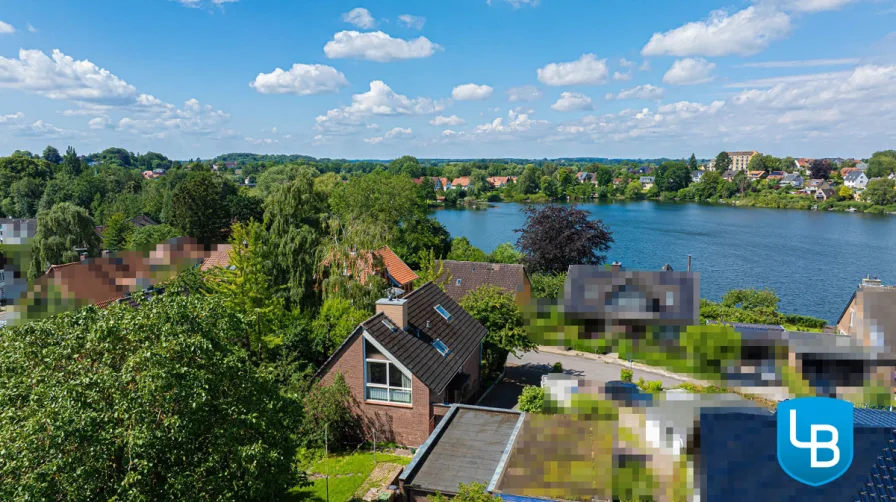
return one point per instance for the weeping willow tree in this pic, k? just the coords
(61, 232)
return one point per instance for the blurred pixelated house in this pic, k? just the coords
(406, 363)
(15, 238)
(381, 263)
(628, 302)
(466, 276)
(113, 279)
(870, 315)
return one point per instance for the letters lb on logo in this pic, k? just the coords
(815, 438)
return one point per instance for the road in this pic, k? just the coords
(527, 370)
(587, 369)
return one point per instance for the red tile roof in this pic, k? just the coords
(398, 269)
(219, 257)
(461, 182)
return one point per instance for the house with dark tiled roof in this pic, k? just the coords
(869, 316)
(408, 362)
(466, 276)
(728, 175)
(792, 179)
(823, 194)
(856, 179)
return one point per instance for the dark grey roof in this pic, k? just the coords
(143, 221)
(472, 275)
(467, 447)
(867, 417)
(853, 175)
(413, 347)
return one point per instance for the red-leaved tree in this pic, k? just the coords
(555, 237)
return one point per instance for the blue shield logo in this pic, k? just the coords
(815, 439)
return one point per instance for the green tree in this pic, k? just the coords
(751, 299)
(432, 270)
(199, 209)
(633, 191)
(155, 403)
(880, 192)
(329, 417)
(675, 176)
(276, 176)
(881, 164)
(709, 185)
(116, 232)
(376, 206)
(334, 323)
(547, 286)
(417, 236)
(294, 217)
(51, 155)
(496, 310)
(146, 238)
(71, 163)
(692, 163)
(529, 181)
(60, 231)
(757, 163)
(472, 492)
(407, 165)
(549, 187)
(723, 162)
(845, 192)
(463, 250)
(531, 400)
(505, 253)
(604, 176)
(246, 288)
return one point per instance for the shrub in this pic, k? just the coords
(557, 368)
(652, 386)
(625, 375)
(532, 399)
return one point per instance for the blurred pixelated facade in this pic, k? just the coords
(405, 364)
(466, 276)
(15, 244)
(870, 315)
(628, 302)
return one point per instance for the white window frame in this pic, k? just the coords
(389, 361)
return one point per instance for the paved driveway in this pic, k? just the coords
(527, 370)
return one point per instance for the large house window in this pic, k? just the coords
(386, 381)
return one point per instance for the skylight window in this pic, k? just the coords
(389, 325)
(458, 282)
(441, 347)
(444, 313)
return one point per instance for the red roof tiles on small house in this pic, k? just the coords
(396, 268)
(463, 182)
(219, 257)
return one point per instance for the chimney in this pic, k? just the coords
(616, 266)
(395, 309)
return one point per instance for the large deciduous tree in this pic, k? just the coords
(692, 163)
(59, 231)
(294, 218)
(723, 162)
(463, 250)
(881, 164)
(146, 238)
(153, 403)
(71, 163)
(555, 237)
(880, 192)
(820, 169)
(51, 154)
(199, 208)
(496, 310)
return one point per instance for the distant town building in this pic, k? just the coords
(740, 161)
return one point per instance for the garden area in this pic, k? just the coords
(350, 476)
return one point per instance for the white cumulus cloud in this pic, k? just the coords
(814, 5)
(359, 17)
(415, 22)
(645, 91)
(572, 101)
(395, 132)
(471, 92)
(587, 70)
(102, 122)
(379, 100)
(377, 46)
(301, 80)
(524, 93)
(518, 3)
(746, 32)
(6, 28)
(622, 77)
(689, 71)
(442, 120)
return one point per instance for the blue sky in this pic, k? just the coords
(460, 78)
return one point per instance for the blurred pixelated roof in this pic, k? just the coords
(102, 281)
(468, 276)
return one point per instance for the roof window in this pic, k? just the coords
(441, 347)
(444, 313)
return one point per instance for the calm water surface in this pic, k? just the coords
(813, 260)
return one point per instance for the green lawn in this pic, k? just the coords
(347, 474)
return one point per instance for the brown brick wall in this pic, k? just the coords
(404, 425)
(472, 367)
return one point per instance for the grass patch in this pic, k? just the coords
(347, 474)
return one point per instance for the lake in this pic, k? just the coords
(813, 260)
